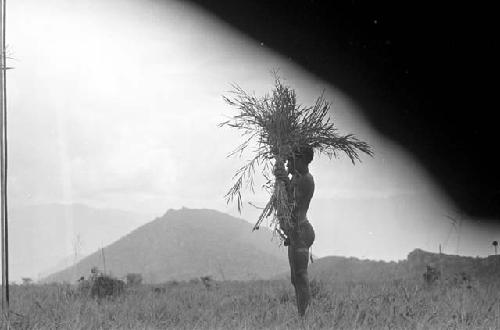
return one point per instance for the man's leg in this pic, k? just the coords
(291, 262)
(302, 290)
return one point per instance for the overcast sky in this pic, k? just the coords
(115, 104)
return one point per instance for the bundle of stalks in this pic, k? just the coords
(276, 126)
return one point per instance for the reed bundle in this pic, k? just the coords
(274, 126)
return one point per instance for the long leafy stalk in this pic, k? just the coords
(276, 125)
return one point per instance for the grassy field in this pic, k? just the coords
(260, 305)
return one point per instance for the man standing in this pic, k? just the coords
(300, 236)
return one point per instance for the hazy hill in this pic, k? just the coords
(184, 244)
(478, 268)
(42, 238)
(335, 268)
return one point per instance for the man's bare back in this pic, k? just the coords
(302, 189)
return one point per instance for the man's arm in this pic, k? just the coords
(281, 174)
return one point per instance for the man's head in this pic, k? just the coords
(300, 160)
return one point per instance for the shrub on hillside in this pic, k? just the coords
(134, 279)
(207, 281)
(100, 285)
(106, 286)
(431, 274)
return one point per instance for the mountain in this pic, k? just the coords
(43, 237)
(335, 268)
(484, 269)
(185, 244)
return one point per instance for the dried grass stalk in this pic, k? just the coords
(275, 125)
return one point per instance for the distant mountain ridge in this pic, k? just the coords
(185, 244)
(189, 243)
(341, 269)
(486, 269)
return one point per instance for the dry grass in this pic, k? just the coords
(261, 305)
(274, 126)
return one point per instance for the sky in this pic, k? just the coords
(115, 104)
